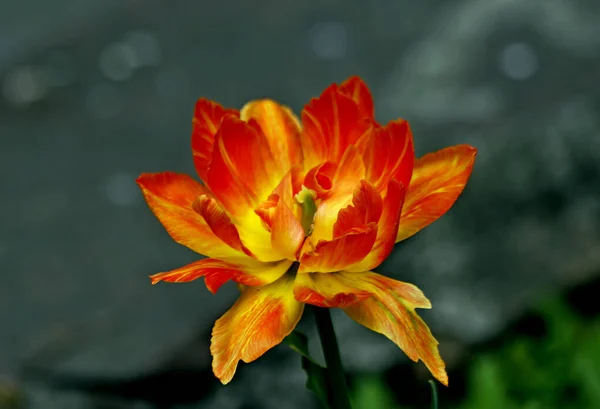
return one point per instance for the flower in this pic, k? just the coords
(300, 211)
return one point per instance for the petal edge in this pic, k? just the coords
(259, 320)
(438, 180)
(170, 196)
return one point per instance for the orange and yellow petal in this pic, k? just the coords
(257, 238)
(219, 222)
(354, 234)
(355, 88)
(438, 179)
(218, 272)
(349, 172)
(388, 153)
(320, 179)
(331, 123)
(260, 319)
(287, 234)
(266, 210)
(241, 176)
(243, 170)
(281, 128)
(207, 120)
(391, 311)
(211, 269)
(387, 228)
(366, 207)
(339, 253)
(288, 187)
(170, 197)
(334, 290)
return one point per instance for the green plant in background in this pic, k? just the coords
(560, 370)
(371, 392)
(11, 397)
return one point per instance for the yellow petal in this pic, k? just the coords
(280, 127)
(259, 320)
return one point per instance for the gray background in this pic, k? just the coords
(94, 92)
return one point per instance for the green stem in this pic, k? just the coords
(338, 390)
(434, 396)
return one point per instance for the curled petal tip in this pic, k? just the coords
(443, 379)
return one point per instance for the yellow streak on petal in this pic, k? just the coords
(333, 290)
(280, 127)
(438, 179)
(257, 238)
(259, 320)
(391, 312)
(170, 197)
(349, 173)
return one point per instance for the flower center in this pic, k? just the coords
(306, 199)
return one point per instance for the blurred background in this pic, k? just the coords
(94, 92)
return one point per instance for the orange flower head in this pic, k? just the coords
(300, 211)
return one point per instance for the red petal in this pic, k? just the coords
(219, 222)
(339, 253)
(332, 290)
(387, 228)
(170, 197)
(320, 179)
(366, 208)
(206, 122)
(391, 312)
(437, 181)
(331, 123)
(388, 153)
(243, 171)
(260, 319)
(215, 272)
(218, 272)
(355, 88)
(354, 234)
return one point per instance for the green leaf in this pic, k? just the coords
(316, 379)
(298, 342)
(316, 375)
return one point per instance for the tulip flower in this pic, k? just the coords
(301, 211)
